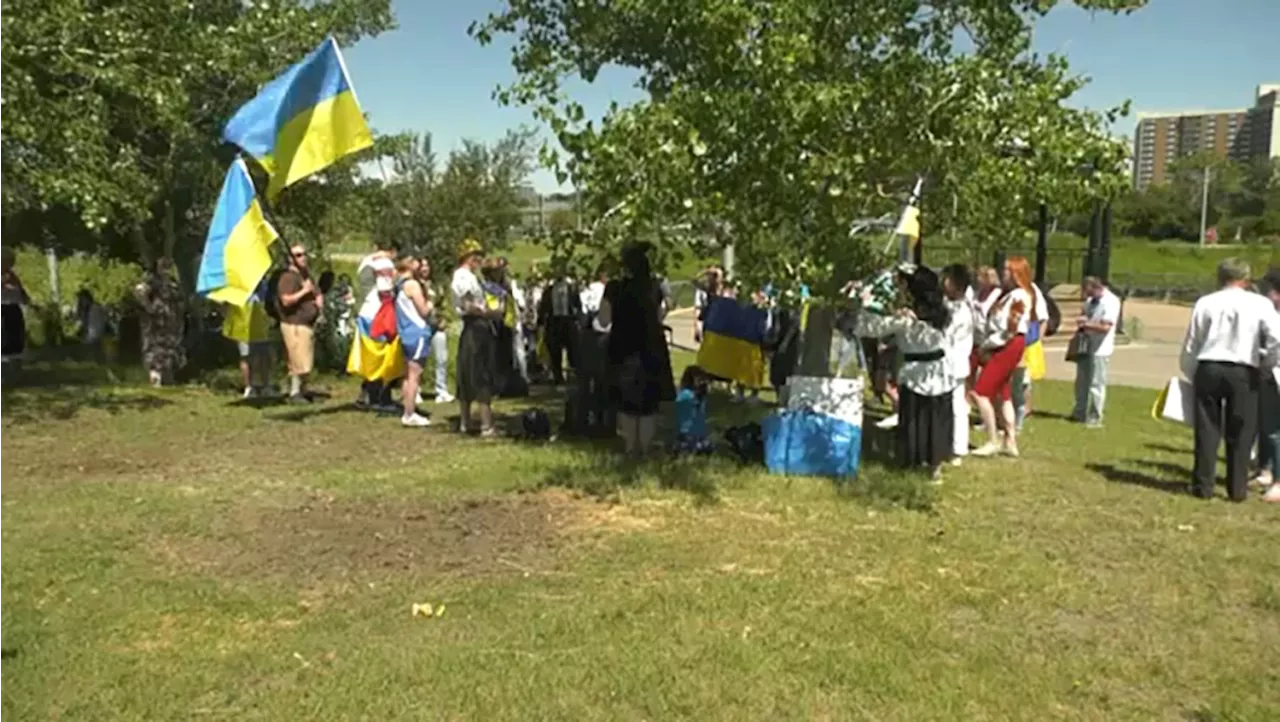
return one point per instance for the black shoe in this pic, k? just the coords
(1199, 493)
(299, 400)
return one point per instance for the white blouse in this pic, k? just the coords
(932, 377)
(1010, 317)
(466, 289)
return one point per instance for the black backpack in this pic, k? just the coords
(535, 425)
(272, 302)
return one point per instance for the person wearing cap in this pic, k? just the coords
(476, 345)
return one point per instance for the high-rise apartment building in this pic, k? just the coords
(1239, 134)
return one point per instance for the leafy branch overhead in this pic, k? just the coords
(112, 111)
(784, 121)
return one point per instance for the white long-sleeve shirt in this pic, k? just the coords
(1232, 326)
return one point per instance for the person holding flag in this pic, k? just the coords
(376, 355)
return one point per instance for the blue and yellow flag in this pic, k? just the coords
(303, 121)
(731, 338)
(236, 254)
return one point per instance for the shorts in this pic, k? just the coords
(299, 347)
(416, 348)
(253, 348)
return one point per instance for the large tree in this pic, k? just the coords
(477, 193)
(778, 123)
(112, 111)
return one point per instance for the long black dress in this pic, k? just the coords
(639, 361)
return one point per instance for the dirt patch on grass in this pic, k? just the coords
(320, 539)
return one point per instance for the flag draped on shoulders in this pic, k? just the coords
(376, 352)
(731, 338)
(302, 121)
(236, 254)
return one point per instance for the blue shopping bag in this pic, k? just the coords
(807, 443)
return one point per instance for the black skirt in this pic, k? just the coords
(14, 330)
(476, 360)
(926, 427)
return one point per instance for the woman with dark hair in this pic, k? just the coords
(639, 363)
(12, 320)
(926, 379)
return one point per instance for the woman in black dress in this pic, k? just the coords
(639, 362)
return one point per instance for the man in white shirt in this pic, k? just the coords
(1234, 335)
(1097, 326)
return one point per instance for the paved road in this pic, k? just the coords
(1145, 365)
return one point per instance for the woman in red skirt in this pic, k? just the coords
(1001, 351)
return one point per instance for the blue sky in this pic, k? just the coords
(429, 76)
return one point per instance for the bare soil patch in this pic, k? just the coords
(320, 540)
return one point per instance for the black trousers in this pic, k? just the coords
(561, 337)
(593, 380)
(1226, 410)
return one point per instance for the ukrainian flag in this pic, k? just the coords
(374, 360)
(1033, 355)
(236, 254)
(731, 338)
(303, 121)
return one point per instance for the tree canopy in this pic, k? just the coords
(113, 111)
(779, 123)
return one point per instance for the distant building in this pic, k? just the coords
(1239, 134)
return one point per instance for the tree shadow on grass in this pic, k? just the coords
(1138, 478)
(599, 468)
(32, 406)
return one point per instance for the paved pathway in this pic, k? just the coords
(1142, 364)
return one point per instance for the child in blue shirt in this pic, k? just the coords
(691, 413)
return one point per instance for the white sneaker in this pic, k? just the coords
(1263, 479)
(416, 420)
(417, 400)
(1273, 494)
(888, 422)
(987, 449)
(445, 398)
(249, 392)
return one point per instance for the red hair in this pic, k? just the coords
(1021, 272)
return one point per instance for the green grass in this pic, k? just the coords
(175, 555)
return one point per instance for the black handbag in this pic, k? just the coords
(1083, 343)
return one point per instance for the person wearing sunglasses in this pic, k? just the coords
(300, 302)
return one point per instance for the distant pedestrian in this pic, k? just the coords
(1094, 343)
(1233, 337)
(13, 326)
(1001, 353)
(476, 346)
(249, 327)
(1269, 410)
(162, 323)
(300, 303)
(413, 308)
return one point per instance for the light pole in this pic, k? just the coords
(1204, 206)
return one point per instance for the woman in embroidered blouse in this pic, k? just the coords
(926, 380)
(1002, 347)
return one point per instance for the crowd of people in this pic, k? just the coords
(959, 343)
(609, 330)
(943, 347)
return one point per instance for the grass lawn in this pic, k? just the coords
(180, 555)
